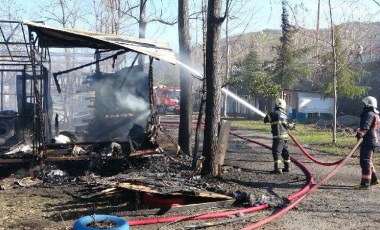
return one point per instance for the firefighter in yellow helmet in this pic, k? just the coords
(279, 128)
(369, 131)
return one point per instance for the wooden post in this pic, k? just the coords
(222, 147)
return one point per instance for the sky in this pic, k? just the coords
(250, 15)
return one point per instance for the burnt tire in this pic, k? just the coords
(81, 223)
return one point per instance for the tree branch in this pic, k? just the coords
(228, 5)
(163, 21)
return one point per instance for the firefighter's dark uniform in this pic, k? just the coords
(279, 129)
(369, 130)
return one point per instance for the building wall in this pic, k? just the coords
(305, 105)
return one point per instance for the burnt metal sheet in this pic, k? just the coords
(50, 37)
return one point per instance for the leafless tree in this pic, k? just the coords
(334, 71)
(10, 10)
(66, 14)
(185, 77)
(112, 16)
(213, 84)
(144, 19)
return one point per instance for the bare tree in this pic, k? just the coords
(227, 63)
(142, 28)
(213, 84)
(66, 14)
(111, 16)
(143, 20)
(10, 10)
(334, 71)
(185, 77)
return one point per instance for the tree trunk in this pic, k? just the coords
(334, 73)
(213, 86)
(186, 80)
(227, 66)
(142, 29)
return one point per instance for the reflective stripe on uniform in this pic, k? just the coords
(374, 128)
(278, 125)
(281, 136)
(278, 122)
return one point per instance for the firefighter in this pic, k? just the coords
(369, 131)
(279, 130)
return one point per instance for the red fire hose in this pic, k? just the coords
(312, 189)
(295, 161)
(197, 217)
(232, 212)
(308, 155)
(297, 197)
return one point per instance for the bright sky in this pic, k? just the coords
(252, 15)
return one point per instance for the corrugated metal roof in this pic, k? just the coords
(50, 37)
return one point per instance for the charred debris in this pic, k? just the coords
(114, 147)
(120, 121)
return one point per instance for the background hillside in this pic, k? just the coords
(266, 41)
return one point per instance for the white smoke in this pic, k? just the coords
(131, 102)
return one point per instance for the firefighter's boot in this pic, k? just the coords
(374, 180)
(277, 169)
(286, 166)
(364, 185)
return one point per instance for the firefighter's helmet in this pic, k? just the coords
(281, 103)
(370, 102)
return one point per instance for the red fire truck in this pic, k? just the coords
(167, 99)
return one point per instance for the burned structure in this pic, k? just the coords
(120, 121)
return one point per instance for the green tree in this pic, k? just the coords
(254, 80)
(348, 78)
(289, 67)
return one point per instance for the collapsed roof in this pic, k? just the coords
(50, 37)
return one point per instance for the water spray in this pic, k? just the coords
(242, 101)
(195, 73)
(229, 93)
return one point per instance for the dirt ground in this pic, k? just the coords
(334, 205)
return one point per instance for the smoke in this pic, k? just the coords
(131, 102)
(134, 96)
(121, 106)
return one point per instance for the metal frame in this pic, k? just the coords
(27, 56)
(19, 54)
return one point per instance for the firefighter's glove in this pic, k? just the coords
(291, 126)
(266, 118)
(359, 135)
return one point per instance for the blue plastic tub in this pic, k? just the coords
(81, 223)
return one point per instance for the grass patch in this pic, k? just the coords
(308, 135)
